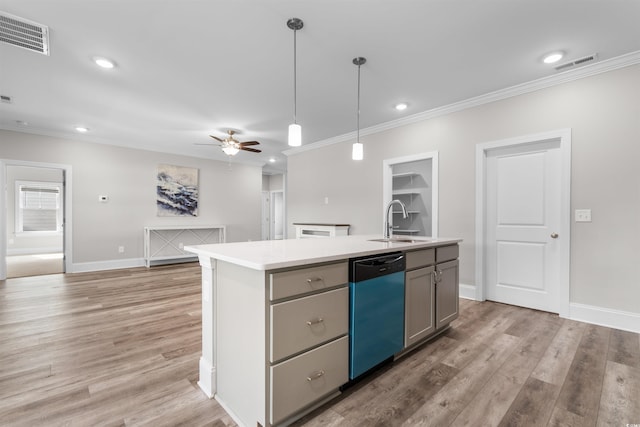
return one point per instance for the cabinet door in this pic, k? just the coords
(419, 299)
(446, 293)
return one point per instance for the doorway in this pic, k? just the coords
(273, 207)
(34, 218)
(414, 181)
(522, 221)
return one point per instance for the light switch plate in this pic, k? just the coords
(583, 215)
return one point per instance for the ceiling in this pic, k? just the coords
(186, 69)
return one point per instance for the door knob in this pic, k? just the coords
(554, 235)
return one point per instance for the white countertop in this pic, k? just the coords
(273, 254)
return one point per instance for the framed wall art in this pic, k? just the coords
(177, 191)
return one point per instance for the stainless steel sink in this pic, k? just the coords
(396, 240)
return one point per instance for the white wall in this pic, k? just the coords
(128, 177)
(603, 112)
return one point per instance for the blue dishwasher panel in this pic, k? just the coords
(376, 321)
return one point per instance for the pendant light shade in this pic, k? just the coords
(295, 130)
(295, 135)
(357, 152)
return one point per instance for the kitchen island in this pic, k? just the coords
(275, 317)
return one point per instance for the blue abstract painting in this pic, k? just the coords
(177, 191)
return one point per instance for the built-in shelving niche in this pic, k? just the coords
(412, 182)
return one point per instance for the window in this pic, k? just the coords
(38, 207)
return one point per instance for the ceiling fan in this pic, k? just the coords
(232, 146)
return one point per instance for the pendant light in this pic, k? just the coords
(295, 130)
(357, 152)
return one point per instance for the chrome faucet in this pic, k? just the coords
(387, 222)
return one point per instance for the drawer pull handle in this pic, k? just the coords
(315, 376)
(315, 321)
(314, 279)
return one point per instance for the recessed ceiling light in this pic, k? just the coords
(552, 57)
(272, 160)
(82, 129)
(21, 123)
(103, 62)
(401, 106)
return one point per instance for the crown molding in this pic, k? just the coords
(622, 61)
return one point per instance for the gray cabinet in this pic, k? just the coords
(447, 303)
(431, 292)
(419, 302)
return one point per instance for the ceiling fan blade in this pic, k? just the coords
(244, 144)
(216, 138)
(253, 150)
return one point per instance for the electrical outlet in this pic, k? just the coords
(180, 245)
(326, 200)
(121, 249)
(583, 215)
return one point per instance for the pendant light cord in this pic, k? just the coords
(295, 79)
(358, 119)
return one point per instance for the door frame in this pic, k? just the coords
(564, 137)
(387, 172)
(66, 215)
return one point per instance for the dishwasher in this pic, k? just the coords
(376, 316)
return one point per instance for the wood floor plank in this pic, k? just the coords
(531, 405)
(581, 391)
(557, 359)
(562, 418)
(624, 348)
(620, 394)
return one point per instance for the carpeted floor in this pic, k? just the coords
(34, 265)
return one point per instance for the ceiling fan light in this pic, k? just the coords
(230, 150)
(295, 135)
(357, 153)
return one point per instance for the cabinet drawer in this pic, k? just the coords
(305, 322)
(304, 379)
(446, 253)
(420, 258)
(304, 280)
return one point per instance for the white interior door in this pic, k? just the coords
(523, 220)
(266, 216)
(277, 215)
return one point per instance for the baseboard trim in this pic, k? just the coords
(467, 291)
(617, 319)
(86, 267)
(34, 251)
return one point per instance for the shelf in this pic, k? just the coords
(404, 175)
(405, 192)
(409, 212)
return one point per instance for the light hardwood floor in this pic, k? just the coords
(121, 348)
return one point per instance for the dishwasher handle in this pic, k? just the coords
(379, 261)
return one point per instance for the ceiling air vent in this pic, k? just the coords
(24, 33)
(579, 61)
